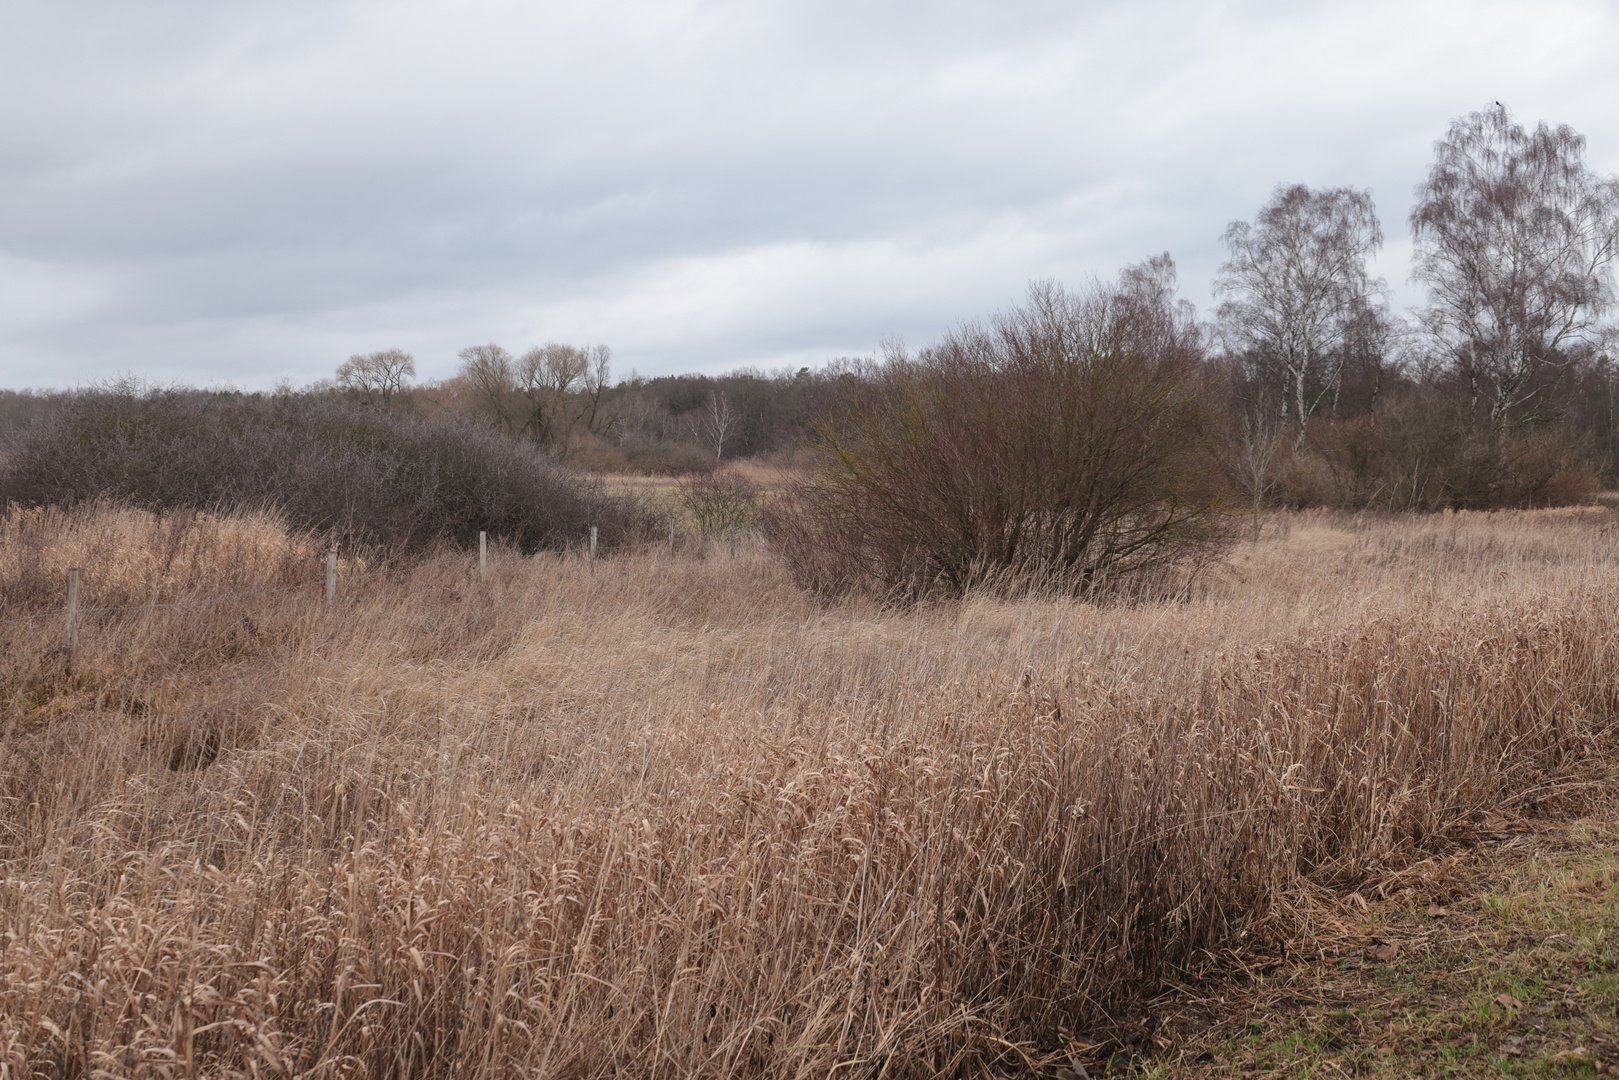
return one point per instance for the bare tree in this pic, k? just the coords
(1294, 288)
(597, 378)
(1514, 237)
(564, 386)
(550, 394)
(546, 376)
(716, 421)
(375, 378)
(491, 374)
(1258, 438)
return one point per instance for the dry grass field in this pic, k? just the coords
(676, 818)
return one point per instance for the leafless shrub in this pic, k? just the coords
(720, 499)
(1253, 456)
(1064, 442)
(19, 408)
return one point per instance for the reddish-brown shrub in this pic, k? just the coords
(1062, 443)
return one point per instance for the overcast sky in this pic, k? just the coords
(233, 192)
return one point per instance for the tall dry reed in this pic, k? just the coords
(674, 818)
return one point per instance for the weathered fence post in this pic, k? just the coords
(483, 558)
(733, 541)
(593, 549)
(73, 577)
(331, 579)
(671, 538)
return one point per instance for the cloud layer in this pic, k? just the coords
(241, 193)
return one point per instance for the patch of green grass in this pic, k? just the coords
(1516, 976)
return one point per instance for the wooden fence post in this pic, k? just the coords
(331, 579)
(483, 558)
(593, 549)
(671, 538)
(73, 577)
(733, 541)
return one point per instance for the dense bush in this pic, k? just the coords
(19, 408)
(1418, 452)
(341, 469)
(1064, 442)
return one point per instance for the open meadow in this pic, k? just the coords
(671, 816)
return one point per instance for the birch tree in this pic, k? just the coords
(716, 421)
(1293, 290)
(1514, 240)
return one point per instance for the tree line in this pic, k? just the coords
(564, 398)
(1500, 390)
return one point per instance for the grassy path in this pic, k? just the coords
(1499, 957)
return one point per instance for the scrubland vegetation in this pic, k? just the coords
(678, 817)
(978, 729)
(351, 474)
